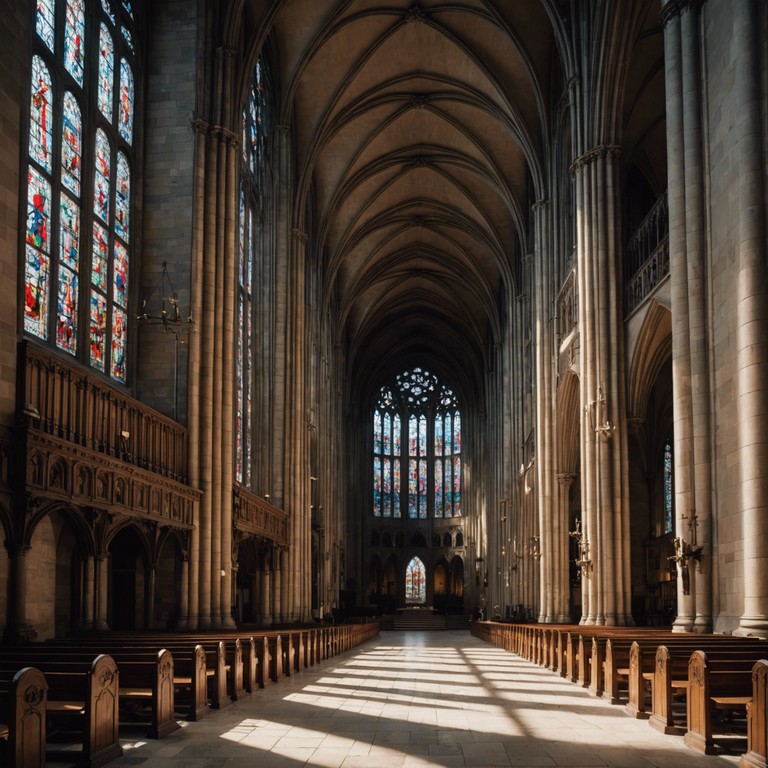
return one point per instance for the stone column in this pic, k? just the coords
(678, 269)
(182, 622)
(562, 582)
(545, 495)
(149, 621)
(266, 595)
(603, 457)
(102, 593)
(88, 593)
(277, 591)
(21, 631)
(752, 316)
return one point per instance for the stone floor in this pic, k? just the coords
(419, 699)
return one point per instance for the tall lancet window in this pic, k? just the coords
(252, 181)
(79, 170)
(416, 448)
(447, 476)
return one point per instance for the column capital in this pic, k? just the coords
(596, 153)
(566, 478)
(299, 235)
(539, 204)
(675, 8)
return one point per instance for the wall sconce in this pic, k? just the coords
(583, 561)
(535, 551)
(597, 412)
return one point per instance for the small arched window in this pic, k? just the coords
(415, 582)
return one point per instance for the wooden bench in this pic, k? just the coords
(714, 684)
(23, 699)
(756, 755)
(82, 708)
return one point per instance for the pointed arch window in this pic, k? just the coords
(252, 182)
(415, 582)
(423, 417)
(78, 171)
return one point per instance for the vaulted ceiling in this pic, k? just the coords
(419, 132)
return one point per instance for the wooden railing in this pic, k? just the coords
(646, 261)
(254, 515)
(72, 405)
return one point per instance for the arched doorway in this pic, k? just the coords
(415, 582)
(127, 572)
(456, 591)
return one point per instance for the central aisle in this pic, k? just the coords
(419, 699)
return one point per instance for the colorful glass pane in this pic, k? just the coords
(102, 176)
(119, 334)
(457, 486)
(387, 434)
(128, 7)
(120, 293)
(396, 435)
(69, 231)
(44, 22)
(107, 7)
(457, 432)
(396, 487)
(422, 488)
(66, 321)
(123, 198)
(74, 40)
(377, 435)
(438, 488)
(377, 486)
(241, 244)
(413, 489)
(126, 101)
(249, 259)
(128, 37)
(36, 293)
(38, 210)
(106, 72)
(98, 329)
(100, 258)
(439, 434)
(387, 485)
(415, 582)
(422, 435)
(71, 144)
(40, 118)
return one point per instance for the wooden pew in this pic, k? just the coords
(722, 684)
(23, 699)
(756, 755)
(86, 702)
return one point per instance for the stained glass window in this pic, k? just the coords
(126, 101)
(45, 22)
(123, 198)
(415, 582)
(76, 258)
(252, 175)
(106, 72)
(71, 144)
(102, 172)
(430, 416)
(668, 490)
(74, 39)
(40, 123)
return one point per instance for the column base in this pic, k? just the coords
(227, 622)
(752, 626)
(682, 624)
(702, 625)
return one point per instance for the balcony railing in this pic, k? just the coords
(647, 256)
(254, 515)
(70, 404)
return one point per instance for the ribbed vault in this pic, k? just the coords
(417, 130)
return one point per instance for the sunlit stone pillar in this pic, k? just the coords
(752, 314)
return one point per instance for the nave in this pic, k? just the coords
(419, 699)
